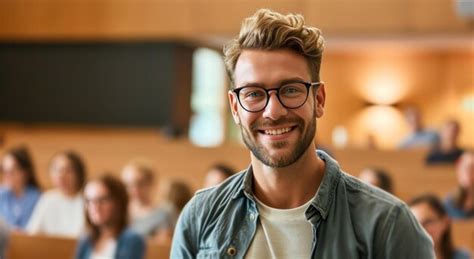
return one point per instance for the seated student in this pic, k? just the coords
(146, 219)
(20, 190)
(377, 177)
(176, 194)
(60, 211)
(429, 211)
(460, 203)
(419, 137)
(107, 220)
(448, 150)
(217, 174)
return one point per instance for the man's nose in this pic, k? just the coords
(274, 109)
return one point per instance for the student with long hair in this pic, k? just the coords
(460, 203)
(429, 211)
(60, 211)
(108, 235)
(20, 190)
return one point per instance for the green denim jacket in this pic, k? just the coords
(350, 220)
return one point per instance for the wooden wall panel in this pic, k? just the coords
(436, 80)
(165, 19)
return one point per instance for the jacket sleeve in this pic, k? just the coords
(403, 237)
(185, 238)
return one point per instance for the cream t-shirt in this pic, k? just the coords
(57, 214)
(282, 233)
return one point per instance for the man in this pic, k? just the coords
(292, 202)
(448, 150)
(419, 137)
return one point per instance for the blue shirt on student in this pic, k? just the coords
(16, 211)
(130, 245)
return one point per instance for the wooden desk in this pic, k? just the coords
(23, 246)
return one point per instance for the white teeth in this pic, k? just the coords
(277, 131)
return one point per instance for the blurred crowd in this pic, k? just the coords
(119, 215)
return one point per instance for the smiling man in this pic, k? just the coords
(292, 201)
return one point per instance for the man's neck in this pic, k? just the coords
(291, 186)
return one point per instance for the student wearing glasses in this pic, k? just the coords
(293, 201)
(108, 235)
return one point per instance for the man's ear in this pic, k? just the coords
(234, 106)
(320, 99)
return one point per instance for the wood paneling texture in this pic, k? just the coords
(190, 19)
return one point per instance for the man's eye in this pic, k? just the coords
(291, 90)
(254, 94)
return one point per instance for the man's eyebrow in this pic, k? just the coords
(252, 84)
(280, 83)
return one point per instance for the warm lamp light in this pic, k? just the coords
(383, 86)
(384, 123)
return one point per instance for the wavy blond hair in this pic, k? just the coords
(269, 30)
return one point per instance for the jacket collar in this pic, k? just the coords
(327, 189)
(325, 194)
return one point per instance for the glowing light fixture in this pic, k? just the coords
(383, 84)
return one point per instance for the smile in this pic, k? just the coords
(274, 132)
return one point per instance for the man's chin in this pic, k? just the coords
(276, 158)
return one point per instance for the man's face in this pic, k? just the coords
(277, 136)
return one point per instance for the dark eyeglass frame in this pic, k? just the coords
(277, 89)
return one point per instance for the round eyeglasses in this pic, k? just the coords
(291, 95)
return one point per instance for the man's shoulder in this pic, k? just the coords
(368, 199)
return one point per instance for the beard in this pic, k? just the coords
(262, 154)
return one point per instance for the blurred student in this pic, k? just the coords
(419, 137)
(460, 203)
(107, 221)
(378, 178)
(146, 219)
(429, 211)
(176, 195)
(20, 190)
(217, 174)
(60, 211)
(448, 151)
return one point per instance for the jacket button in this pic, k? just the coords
(252, 216)
(231, 251)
